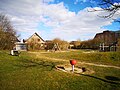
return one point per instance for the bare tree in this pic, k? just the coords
(62, 44)
(5, 24)
(7, 33)
(111, 6)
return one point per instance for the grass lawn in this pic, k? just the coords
(108, 58)
(33, 71)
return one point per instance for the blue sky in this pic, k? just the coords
(65, 19)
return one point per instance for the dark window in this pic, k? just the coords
(38, 40)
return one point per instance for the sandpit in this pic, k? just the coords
(77, 69)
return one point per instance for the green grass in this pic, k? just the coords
(110, 58)
(27, 72)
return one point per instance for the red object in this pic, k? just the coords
(73, 62)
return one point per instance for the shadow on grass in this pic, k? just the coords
(109, 79)
(30, 63)
(112, 78)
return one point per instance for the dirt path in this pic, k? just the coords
(93, 64)
(100, 65)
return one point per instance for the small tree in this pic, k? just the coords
(49, 45)
(62, 44)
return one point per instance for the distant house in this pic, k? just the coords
(35, 42)
(108, 39)
(20, 46)
(108, 36)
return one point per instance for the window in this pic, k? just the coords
(38, 40)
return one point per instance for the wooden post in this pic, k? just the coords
(103, 47)
(100, 47)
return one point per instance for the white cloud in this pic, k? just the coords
(83, 25)
(24, 14)
(27, 14)
(77, 1)
(58, 12)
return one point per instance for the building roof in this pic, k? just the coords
(36, 35)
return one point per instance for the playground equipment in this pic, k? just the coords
(73, 62)
(56, 47)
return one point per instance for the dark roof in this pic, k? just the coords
(117, 31)
(38, 36)
(35, 34)
(48, 41)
